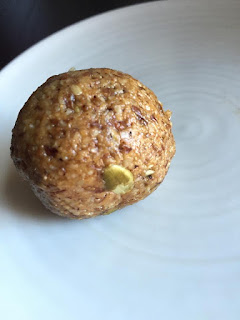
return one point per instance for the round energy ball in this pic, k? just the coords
(92, 141)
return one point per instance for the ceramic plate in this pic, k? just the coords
(175, 255)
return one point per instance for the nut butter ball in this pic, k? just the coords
(92, 141)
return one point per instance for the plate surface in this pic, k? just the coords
(175, 255)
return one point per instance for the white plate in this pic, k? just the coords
(175, 255)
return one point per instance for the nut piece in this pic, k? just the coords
(168, 114)
(76, 90)
(118, 179)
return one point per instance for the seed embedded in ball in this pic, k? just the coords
(118, 179)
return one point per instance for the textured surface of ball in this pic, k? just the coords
(92, 141)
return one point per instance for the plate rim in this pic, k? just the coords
(89, 19)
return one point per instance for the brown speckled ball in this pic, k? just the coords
(79, 124)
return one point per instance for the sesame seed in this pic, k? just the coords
(69, 111)
(149, 172)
